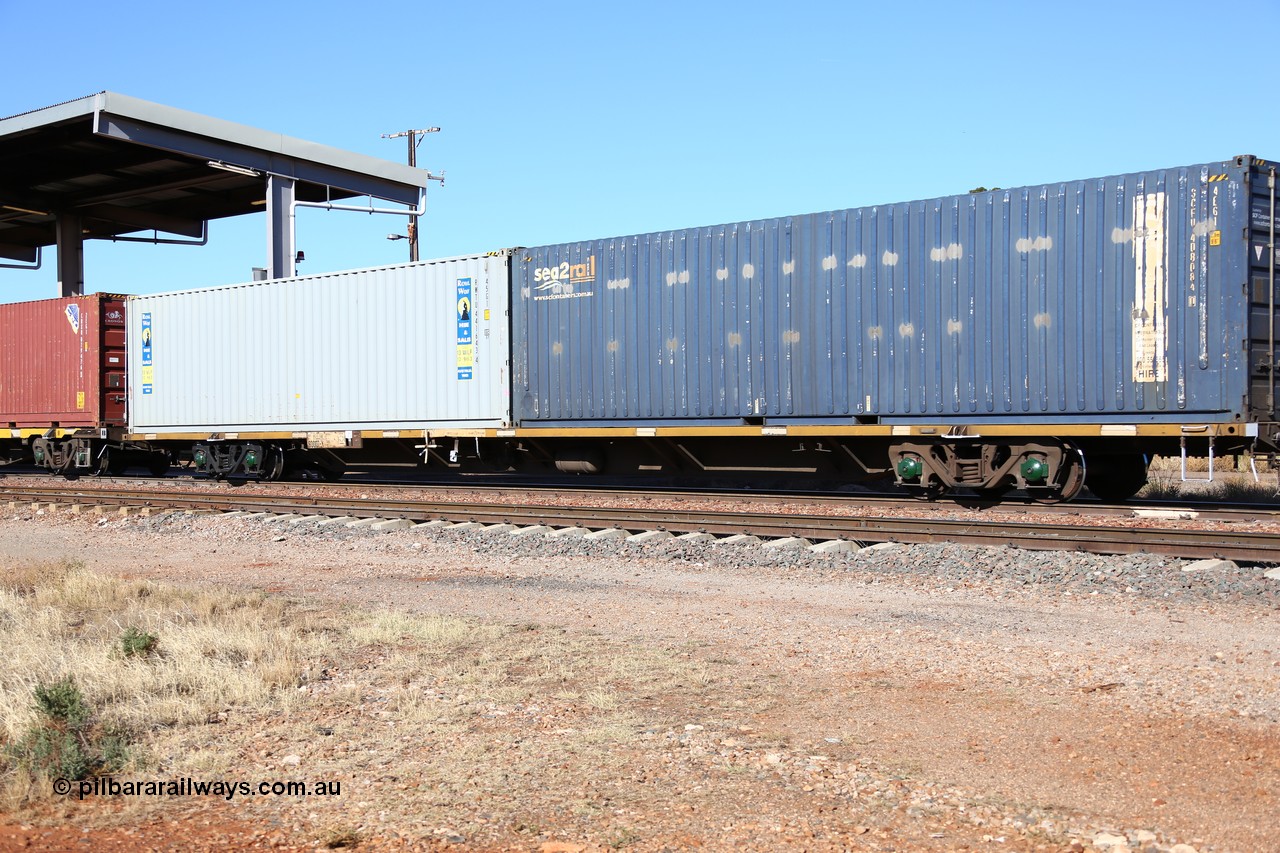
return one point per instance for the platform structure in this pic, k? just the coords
(109, 166)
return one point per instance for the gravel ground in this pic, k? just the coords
(913, 697)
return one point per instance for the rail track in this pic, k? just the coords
(501, 487)
(975, 529)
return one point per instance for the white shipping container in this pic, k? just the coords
(414, 346)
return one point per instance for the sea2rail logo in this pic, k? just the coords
(561, 282)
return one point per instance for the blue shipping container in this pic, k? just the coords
(1116, 299)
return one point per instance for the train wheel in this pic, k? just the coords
(931, 492)
(110, 463)
(1118, 478)
(1071, 479)
(274, 467)
(159, 465)
(993, 494)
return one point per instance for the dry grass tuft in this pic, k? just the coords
(1233, 490)
(1160, 490)
(339, 837)
(1240, 491)
(213, 650)
(443, 672)
(160, 662)
(432, 632)
(1233, 481)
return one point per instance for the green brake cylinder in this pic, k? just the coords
(1034, 469)
(910, 468)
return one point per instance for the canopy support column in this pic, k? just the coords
(70, 234)
(280, 237)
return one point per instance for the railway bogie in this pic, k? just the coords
(66, 455)
(1047, 469)
(261, 460)
(249, 459)
(86, 452)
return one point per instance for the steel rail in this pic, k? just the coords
(1241, 546)
(1204, 511)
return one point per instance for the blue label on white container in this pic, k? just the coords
(466, 352)
(146, 353)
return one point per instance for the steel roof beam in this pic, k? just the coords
(144, 220)
(97, 206)
(258, 159)
(189, 180)
(18, 253)
(26, 201)
(45, 166)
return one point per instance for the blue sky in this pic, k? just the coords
(565, 121)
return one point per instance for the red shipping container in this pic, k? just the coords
(62, 363)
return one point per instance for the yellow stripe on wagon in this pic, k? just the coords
(854, 430)
(744, 431)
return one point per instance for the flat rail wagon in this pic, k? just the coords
(1030, 337)
(1039, 338)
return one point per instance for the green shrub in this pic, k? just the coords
(136, 644)
(112, 749)
(62, 702)
(53, 752)
(65, 743)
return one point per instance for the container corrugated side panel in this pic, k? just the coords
(50, 369)
(363, 349)
(1094, 299)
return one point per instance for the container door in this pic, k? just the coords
(1264, 325)
(112, 370)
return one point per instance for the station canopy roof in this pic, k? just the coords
(122, 165)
